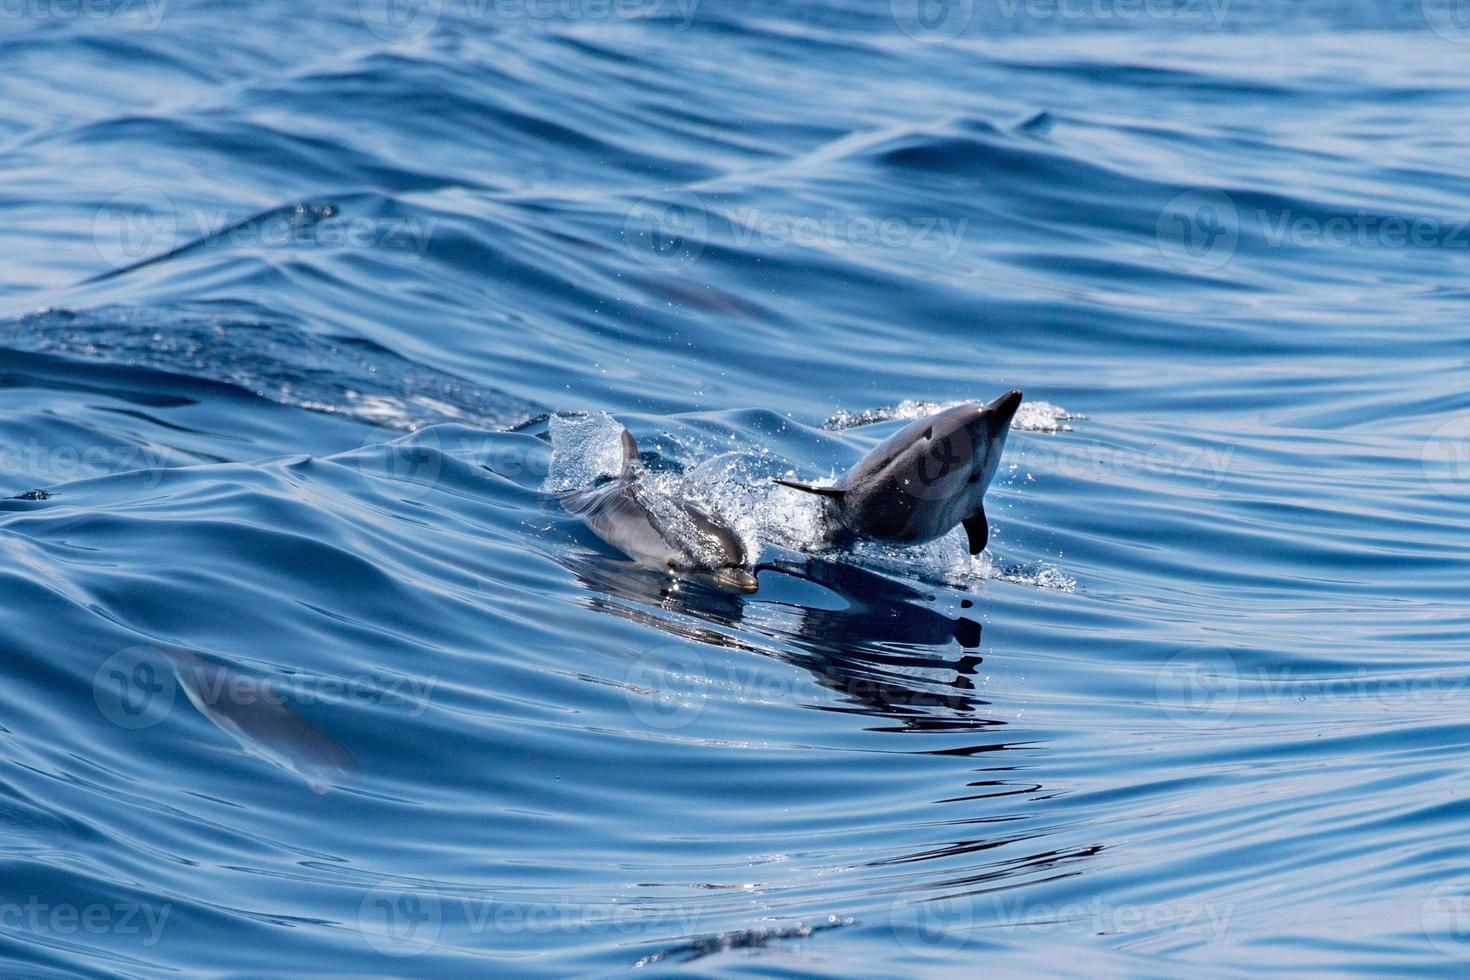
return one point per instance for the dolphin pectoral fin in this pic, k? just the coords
(808, 488)
(977, 529)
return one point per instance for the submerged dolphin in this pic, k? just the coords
(255, 716)
(922, 480)
(660, 531)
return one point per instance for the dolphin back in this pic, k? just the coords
(887, 453)
(923, 480)
(654, 528)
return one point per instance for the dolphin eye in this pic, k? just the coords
(929, 432)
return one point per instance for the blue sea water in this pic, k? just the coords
(306, 669)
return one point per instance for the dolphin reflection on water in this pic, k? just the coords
(871, 639)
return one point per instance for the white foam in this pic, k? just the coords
(948, 561)
(1044, 417)
(1030, 417)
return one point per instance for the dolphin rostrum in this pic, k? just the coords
(659, 530)
(922, 480)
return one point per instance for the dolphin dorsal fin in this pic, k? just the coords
(630, 452)
(808, 488)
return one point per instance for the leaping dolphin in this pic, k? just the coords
(663, 532)
(922, 480)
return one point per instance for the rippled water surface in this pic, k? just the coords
(307, 668)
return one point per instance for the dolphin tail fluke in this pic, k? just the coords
(977, 529)
(808, 488)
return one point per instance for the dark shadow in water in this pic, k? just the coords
(656, 594)
(697, 947)
(880, 647)
(888, 654)
(200, 352)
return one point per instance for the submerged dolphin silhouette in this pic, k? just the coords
(255, 716)
(660, 531)
(922, 480)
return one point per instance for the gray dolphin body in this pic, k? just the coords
(256, 716)
(922, 480)
(663, 532)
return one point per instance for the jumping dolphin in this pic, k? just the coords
(661, 531)
(922, 480)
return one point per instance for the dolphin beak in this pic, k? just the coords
(736, 580)
(1004, 407)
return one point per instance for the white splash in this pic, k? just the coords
(584, 447)
(948, 561)
(737, 487)
(1030, 417)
